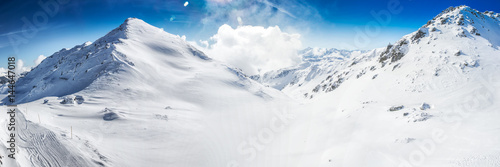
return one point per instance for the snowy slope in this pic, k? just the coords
(443, 76)
(138, 97)
(430, 99)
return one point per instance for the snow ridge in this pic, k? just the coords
(71, 70)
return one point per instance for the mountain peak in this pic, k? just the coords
(131, 28)
(461, 23)
(463, 15)
(134, 22)
(454, 10)
(132, 19)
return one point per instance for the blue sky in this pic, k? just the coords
(321, 23)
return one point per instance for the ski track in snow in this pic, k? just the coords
(43, 147)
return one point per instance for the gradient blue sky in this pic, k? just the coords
(321, 23)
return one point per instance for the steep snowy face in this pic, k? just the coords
(460, 23)
(135, 48)
(470, 23)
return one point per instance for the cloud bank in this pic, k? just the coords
(254, 49)
(20, 66)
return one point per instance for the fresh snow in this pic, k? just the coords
(142, 97)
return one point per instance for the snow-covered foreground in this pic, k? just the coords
(353, 128)
(144, 134)
(143, 97)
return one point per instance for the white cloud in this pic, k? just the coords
(3, 71)
(254, 49)
(20, 68)
(38, 60)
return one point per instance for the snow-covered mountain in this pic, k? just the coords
(136, 88)
(71, 70)
(429, 99)
(135, 57)
(142, 97)
(453, 40)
